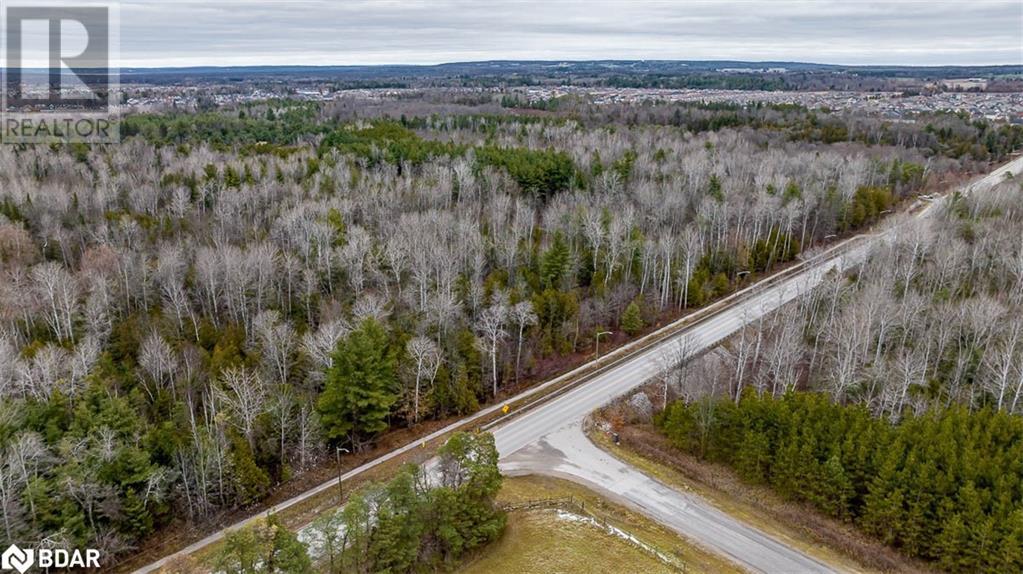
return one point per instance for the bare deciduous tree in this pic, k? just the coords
(426, 356)
(59, 290)
(523, 316)
(158, 360)
(244, 395)
(278, 341)
(490, 327)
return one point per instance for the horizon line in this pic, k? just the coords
(528, 61)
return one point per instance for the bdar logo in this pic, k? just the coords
(15, 558)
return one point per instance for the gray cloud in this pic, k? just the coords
(237, 32)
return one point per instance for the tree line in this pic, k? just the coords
(944, 486)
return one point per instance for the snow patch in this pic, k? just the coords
(616, 532)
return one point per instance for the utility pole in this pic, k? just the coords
(598, 340)
(340, 487)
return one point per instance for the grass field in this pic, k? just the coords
(553, 541)
(541, 541)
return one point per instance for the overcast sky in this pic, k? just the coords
(255, 32)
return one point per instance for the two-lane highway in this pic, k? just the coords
(549, 439)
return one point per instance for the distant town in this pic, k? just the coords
(893, 105)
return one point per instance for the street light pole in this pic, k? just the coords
(340, 487)
(598, 340)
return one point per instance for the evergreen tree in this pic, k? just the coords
(835, 489)
(399, 523)
(360, 386)
(468, 463)
(554, 262)
(950, 544)
(632, 320)
(251, 481)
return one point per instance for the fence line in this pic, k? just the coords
(674, 559)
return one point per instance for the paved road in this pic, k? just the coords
(568, 453)
(722, 319)
(576, 404)
(549, 439)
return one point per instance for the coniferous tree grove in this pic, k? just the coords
(945, 486)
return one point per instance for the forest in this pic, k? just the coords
(196, 316)
(890, 396)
